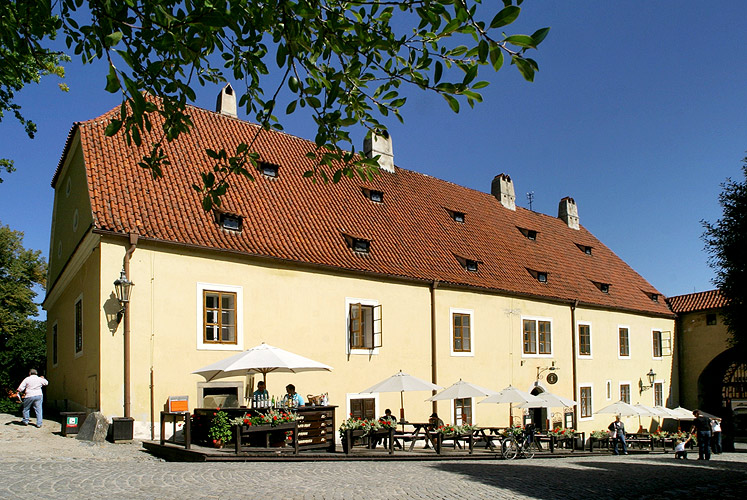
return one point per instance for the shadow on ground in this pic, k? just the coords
(665, 478)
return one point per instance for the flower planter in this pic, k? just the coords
(265, 436)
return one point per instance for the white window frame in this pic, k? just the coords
(608, 386)
(214, 287)
(474, 408)
(630, 348)
(51, 345)
(653, 393)
(77, 354)
(630, 390)
(581, 386)
(471, 314)
(661, 338)
(521, 337)
(376, 312)
(578, 341)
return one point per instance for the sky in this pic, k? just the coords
(638, 112)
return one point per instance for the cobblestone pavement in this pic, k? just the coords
(40, 464)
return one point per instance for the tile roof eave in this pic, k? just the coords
(65, 151)
(395, 277)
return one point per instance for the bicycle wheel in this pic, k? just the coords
(529, 449)
(510, 449)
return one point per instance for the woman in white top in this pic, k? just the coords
(716, 435)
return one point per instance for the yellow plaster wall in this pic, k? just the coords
(71, 377)
(699, 344)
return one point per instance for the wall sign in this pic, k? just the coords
(552, 378)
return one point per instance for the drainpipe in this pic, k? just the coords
(126, 266)
(574, 304)
(434, 365)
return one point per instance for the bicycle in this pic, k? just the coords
(525, 446)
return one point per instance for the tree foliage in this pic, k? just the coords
(25, 27)
(342, 61)
(21, 337)
(726, 241)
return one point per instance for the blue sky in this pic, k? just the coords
(639, 112)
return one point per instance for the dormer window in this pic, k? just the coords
(655, 297)
(471, 265)
(373, 195)
(232, 222)
(540, 276)
(268, 169)
(458, 216)
(584, 248)
(603, 287)
(530, 234)
(361, 245)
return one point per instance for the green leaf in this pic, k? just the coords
(525, 68)
(540, 35)
(113, 39)
(453, 103)
(438, 72)
(521, 40)
(293, 84)
(112, 82)
(112, 128)
(505, 17)
(496, 57)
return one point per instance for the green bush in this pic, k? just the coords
(8, 405)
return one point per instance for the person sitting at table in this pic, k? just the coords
(388, 416)
(261, 392)
(292, 398)
(435, 422)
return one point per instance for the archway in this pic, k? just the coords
(722, 390)
(538, 415)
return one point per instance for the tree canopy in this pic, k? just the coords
(726, 241)
(343, 62)
(21, 337)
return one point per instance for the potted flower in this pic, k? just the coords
(220, 429)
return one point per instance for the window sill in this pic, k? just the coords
(219, 347)
(367, 352)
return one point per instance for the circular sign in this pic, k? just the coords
(551, 378)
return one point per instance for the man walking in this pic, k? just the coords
(702, 424)
(617, 434)
(31, 388)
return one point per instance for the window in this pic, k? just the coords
(625, 393)
(585, 397)
(537, 338)
(376, 196)
(268, 169)
(542, 277)
(364, 408)
(658, 394)
(79, 326)
(360, 245)
(657, 343)
(584, 248)
(458, 216)
(471, 265)
(230, 222)
(463, 411)
(530, 234)
(604, 287)
(710, 319)
(584, 340)
(54, 344)
(461, 332)
(364, 330)
(220, 317)
(623, 342)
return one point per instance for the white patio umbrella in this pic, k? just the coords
(461, 390)
(647, 411)
(402, 382)
(681, 413)
(510, 395)
(549, 400)
(262, 359)
(621, 408)
(666, 412)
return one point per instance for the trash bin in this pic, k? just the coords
(121, 429)
(71, 421)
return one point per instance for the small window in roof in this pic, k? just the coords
(230, 221)
(530, 234)
(376, 196)
(542, 277)
(269, 169)
(361, 245)
(584, 248)
(604, 287)
(470, 265)
(458, 216)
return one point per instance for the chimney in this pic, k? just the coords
(226, 103)
(503, 189)
(568, 212)
(380, 144)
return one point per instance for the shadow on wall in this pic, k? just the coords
(112, 309)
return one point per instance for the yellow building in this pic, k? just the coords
(404, 272)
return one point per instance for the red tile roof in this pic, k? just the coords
(412, 233)
(712, 299)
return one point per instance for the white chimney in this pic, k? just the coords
(380, 144)
(502, 188)
(568, 212)
(226, 104)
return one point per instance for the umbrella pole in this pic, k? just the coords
(402, 406)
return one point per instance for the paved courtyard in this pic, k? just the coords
(39, 463)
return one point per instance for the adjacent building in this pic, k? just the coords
(404, 272)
